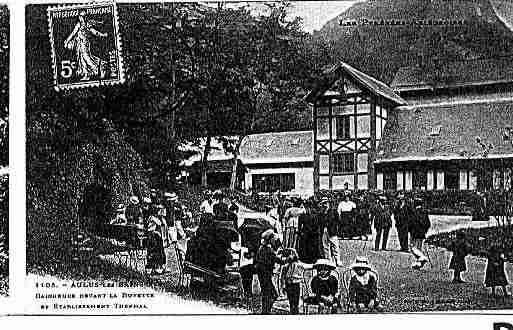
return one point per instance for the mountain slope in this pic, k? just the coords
(381, 50)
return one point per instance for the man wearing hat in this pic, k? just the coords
(172, 211)
(324, 286)
(133, 211)
(382, 218)
(330, 228)
(418, 229)
(403, 213)
(363, 286)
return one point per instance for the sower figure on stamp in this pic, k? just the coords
(88, 64)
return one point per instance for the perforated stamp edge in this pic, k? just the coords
(117, 38)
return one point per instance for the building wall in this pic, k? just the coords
(303, 177)
(435, 179)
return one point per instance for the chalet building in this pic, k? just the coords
(448, 127)
(445, 127)
(455, 133)
(268, 162)
(350, 112)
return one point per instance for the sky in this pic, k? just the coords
(314, 13)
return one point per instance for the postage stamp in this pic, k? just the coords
(86, 46)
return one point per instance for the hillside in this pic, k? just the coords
(504, 11)
(381, 50)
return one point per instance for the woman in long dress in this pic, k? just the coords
(87, 64)
(309, 236)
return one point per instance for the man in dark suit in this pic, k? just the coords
(403, 213)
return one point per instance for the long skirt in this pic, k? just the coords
(309, 247)
(156, 256)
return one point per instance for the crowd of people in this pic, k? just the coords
(294, 232)
(164, 220)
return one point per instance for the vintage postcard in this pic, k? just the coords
(302, 157)
(86, 46)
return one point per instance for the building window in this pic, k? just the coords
(343, 163)
(452, 179)
(485, 179)
(419, 180)
(389, 181)
(273, 182)
(343, 127)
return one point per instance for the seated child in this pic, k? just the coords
(363, 287)
(324, 286)
(291, 277)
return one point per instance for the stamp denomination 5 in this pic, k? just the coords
(86, 47)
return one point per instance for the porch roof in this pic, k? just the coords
(446, 132)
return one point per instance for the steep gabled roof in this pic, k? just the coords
(476, 72)
(446, 132)
(368, 83)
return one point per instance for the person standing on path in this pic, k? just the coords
(346, 211)
(403, 212)
(291, 219)
(330, 229)
(382, 219)
(309, 235)
(418, 229)
(265, 260)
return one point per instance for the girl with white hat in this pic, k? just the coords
(324, 286)
(363, 287)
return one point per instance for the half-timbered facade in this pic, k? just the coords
(350, 111)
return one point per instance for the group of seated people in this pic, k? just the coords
(324, 286)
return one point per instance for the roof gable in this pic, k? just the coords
(358, 78)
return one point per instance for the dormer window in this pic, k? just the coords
(435, 130)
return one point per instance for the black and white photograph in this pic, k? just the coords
(287, 157)
(4, 151)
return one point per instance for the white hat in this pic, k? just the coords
(324, 263)
(134, 200)
(268, 235)
(361, 262)
(171, 196)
